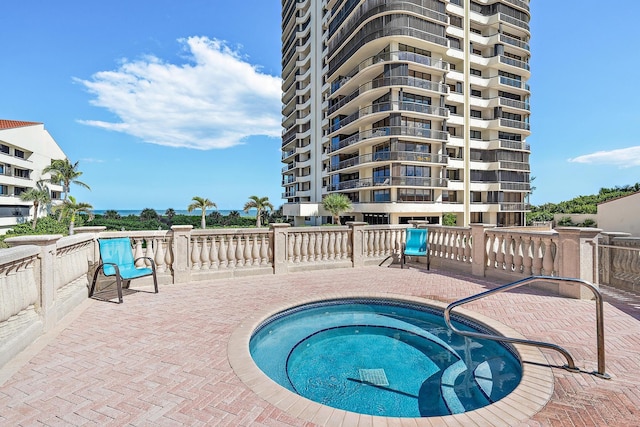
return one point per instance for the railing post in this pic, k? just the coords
(576, 258)
(357, 244)
(181, 243)
(478, 249)
(47, 272)
(280, 238)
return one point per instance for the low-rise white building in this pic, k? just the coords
(26, 148)
(621, 214)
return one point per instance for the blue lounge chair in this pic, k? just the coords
(116, 259)
(416, 245)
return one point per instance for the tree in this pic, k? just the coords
(148, 214)
(111, 214)
(449, 219)
(170, 213)
(202, 204)
(70, 208)
(260, 204)
(39, 196)
(64, 173)
(336, 203)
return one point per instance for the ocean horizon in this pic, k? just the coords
(197, 212)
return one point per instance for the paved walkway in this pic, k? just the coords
(161, 359)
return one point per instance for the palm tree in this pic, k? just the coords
(259, 203)
(203, 204)
(170, 213)
(64, 173)
(38, 195)
(336, 203)
(70, 208)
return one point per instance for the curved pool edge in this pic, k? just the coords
(529, 397)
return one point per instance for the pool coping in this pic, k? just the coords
(529, 397)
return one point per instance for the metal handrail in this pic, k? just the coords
(571, 366)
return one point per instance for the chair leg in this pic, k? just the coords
(119, 287)
(93, 284)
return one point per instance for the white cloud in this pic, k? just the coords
(622, 157)
(215, 100)
(91, 160)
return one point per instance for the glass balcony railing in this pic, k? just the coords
(402, 156)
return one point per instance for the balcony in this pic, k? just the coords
(514, 42)
(514, 145)
(515, 186)
(380, 60)
(408, 131)
(386, 107)
(385, 82)
(514, 103)
(514, 207)
(404, 181)
(515, 124)
(520, 166)
(389, 156)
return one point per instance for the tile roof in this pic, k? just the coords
(10, 124)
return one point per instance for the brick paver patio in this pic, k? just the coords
(162, 359)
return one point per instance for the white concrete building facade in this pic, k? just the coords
(413, 109)
(26, 148)
(621, 214)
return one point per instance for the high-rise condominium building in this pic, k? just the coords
(414, 109)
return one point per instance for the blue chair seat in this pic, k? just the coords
(416, 245)
(116, 259)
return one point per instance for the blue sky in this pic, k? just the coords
(163, 100)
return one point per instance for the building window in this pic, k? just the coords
(415, 123)
(476, 114)
(418, 99)
(406, 48)
(411, 170)
(455, 21)
(475, 134)
(21, 173)
(381, 195)
(449, 196)
(4, 190)
(476, 218)
(18, 190)
(4, 149)
(454, 43)
(476, 72)
(18, 153)
(413, 147)
(476, 197)
(375, 219)
(477, 93)
(415, 195)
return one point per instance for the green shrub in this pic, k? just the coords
(566, 221)
(449, 219)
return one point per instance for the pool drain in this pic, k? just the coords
(374, 376)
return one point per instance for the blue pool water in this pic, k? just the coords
(383, 357)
